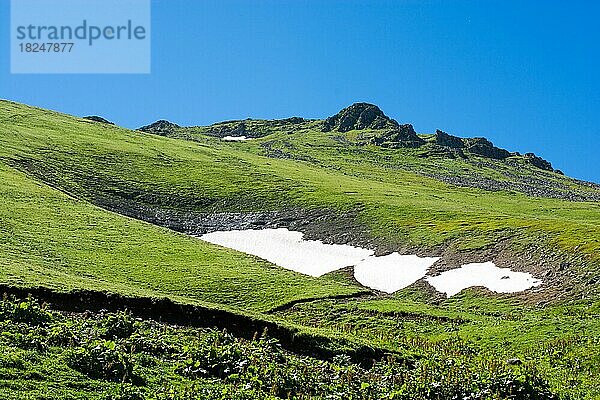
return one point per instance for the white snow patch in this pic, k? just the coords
(389, 273)
(289, 250)
(501, 280)
(392, 272)
(235, 138)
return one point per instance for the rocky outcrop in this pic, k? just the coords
(230, 129)
(161, 127)
(292, 120)
(95, 118)
(402, 136)
(359, 116)
(435, 150)
(446, 140)
(485, 148)
(539, 162)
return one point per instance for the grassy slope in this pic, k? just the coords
(96, 161)
(561, 343)
(50, 239)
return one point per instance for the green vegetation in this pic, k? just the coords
(562, 343)
(60, 176)
(114, 356)
(307, 169)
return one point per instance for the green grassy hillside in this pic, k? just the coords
(51, 239)
(147, 175)
(69, 187)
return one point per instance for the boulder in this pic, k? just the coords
(536, 161)
(293, 120)
(435, 150)
(232, 128)
(402, 136)
(485, 148)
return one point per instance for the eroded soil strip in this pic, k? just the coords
(167, 311)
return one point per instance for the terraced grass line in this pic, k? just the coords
(47, 354)
(562, 342)
(294, 338)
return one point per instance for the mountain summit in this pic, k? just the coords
(359, 116)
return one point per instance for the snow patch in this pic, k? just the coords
(392, 272)
(289, 250)
(500, 280)
(388, 273)
(235, 138)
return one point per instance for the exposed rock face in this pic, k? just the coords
(231, 129)
(161, 127)
(96, 118)
(485, 148)
(402, 136)
(443, 139)
(359, 116)
(365, 116)
(538, 162)
(436, 150)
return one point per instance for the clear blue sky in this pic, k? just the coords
(524, 74)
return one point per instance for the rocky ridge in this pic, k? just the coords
(369, 117)
(373, 127)
(359, 116)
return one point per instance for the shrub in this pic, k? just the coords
(28, 311)
(118, 325)
(102, 360)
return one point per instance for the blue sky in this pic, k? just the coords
(523, 74)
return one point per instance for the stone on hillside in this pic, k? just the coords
(402, 136)
(293, 120)
(161, 127)
(538, 162)
(485, 148)
(232, 128)
(435, 150)
(96, 118)
(359, 116)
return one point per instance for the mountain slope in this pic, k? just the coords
(178, 183)
(51, 239)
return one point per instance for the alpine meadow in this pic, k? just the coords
(145, 264)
